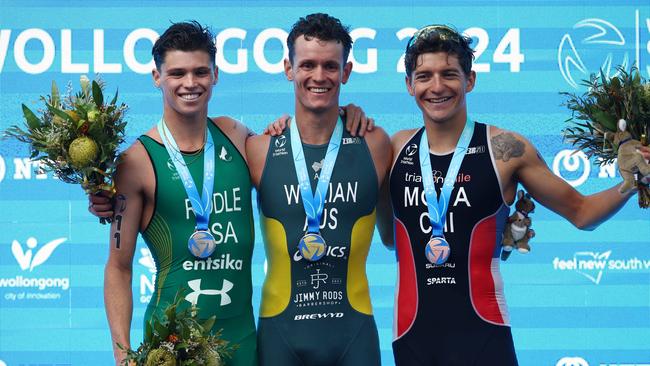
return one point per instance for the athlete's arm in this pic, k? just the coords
(385, 215)
(585, 212)
(384, 204)
(236, 131)
(118, 299)
(382, 157)
(356, 122)
(276, 127)
(256, 150)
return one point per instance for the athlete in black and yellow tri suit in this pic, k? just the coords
(318, 313)
(220, 284)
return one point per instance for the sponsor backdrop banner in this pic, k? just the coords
(579, 298)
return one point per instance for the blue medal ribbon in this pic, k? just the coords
(438, 206)
(201, 204)
(314, 203)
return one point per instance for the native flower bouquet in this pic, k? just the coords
(178, 339)
(613, 112)
(75, 135)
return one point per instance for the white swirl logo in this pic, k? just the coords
(2, 363)
(280, 141)
(572, 161)
(572, 361)
(598, 35)
(411, 149)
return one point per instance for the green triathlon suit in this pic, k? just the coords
(221, 284)
(318, 313)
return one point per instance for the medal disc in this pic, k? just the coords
(201, 244)
(437, 250)
(312, 247)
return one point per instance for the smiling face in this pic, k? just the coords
(317, 71)
(439, 85)
(186, 79)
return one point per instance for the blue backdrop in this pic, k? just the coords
(579, 298)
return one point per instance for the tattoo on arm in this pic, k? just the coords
(120, 204)
(506, 146)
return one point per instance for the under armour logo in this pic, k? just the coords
(195, 285)
(28, 260)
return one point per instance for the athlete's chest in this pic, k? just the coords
(475, 189)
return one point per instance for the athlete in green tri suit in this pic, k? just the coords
(318, 313)
(221, 283)
(151, 200)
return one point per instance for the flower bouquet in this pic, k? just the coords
(178, 339)
(76, 135)
(610, 121)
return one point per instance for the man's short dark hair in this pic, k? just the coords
(323, 27)
(439, 38)
(184, 36)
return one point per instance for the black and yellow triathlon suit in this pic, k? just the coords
(318, 313)
(220, 284)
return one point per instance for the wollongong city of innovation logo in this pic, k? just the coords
(26, 285)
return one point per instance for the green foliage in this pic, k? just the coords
(597, 111)
(177, 332)
(66, 118)
(98, 96)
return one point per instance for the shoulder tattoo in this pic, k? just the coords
(507, 146)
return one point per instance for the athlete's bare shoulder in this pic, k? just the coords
(135, 155)
(256, 148)
(377, 136)
(508, 145)
(400, 138)
(134, 169)
(380, 149)
(512, 154)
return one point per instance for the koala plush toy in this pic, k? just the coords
(629, 160)
(517, 231)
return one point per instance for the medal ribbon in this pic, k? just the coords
(202, 205)
(314, 203)
(438, 205)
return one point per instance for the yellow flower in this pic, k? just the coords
(85, 83)
(92, 115)
(213, 359)
(58, 121)
(160, 357)
(83, 151)
(73, 115)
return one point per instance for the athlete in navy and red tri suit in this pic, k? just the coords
(463, 296)
(450, 310)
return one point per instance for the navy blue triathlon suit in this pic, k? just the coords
(318, 313)
(455, 313)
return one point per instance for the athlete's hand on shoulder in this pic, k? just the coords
(276, 127)
(100, 204)
(357, 122)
